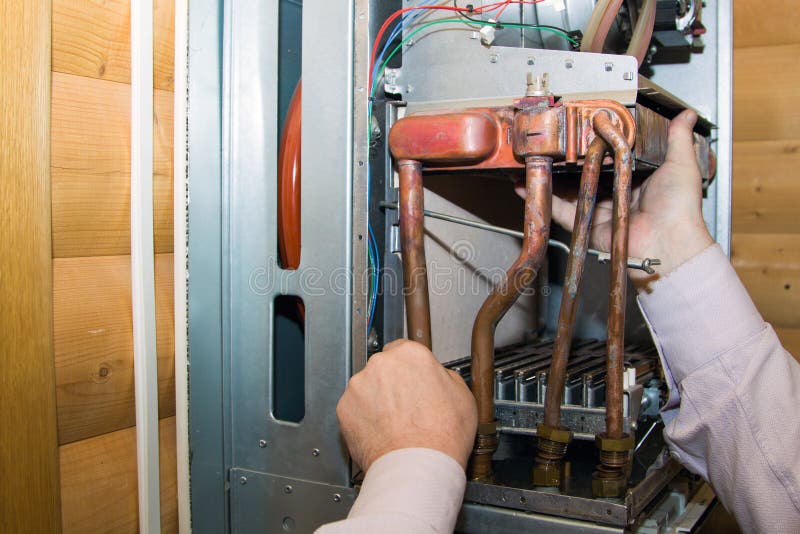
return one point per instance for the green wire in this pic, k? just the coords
(458, 21)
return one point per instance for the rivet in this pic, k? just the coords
(287, 489)
(315, 452)
(531, 60)
(568, 63)
(337, 497)
(243, 480)
(609, 67)
(262, 443)
(493, 58)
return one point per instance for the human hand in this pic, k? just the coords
(405, 398)
(666, 217)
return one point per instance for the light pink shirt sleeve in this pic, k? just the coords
(733, 415)
(407, 490)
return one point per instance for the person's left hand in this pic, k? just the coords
(405, 398)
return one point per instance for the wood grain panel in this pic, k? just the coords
(94, 344)
(99, 486)
(29, 500)
(91, 167)
(765, 96)
(765, 23)
(92, 38)
(756, 251)
(776, 293)
(790, 338)
(766, 189)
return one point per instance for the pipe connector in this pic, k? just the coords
(486, 442)
(610, 480)
(552, 447)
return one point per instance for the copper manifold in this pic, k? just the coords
(533, 133)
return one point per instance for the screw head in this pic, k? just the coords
(315, 452)
(262, 443)
(337, 497)
(531, 61)
(287, 489)
(243, 480)
(493, 58)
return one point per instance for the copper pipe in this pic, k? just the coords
(521, 276)
(603, 15)
(643, 31)
(412, 243)
(619, 252)
(569, 297)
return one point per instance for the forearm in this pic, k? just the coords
(732, 415)
(407, 490)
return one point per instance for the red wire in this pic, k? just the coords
(478, 10)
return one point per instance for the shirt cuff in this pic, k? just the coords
(423, 483)
(698, 312)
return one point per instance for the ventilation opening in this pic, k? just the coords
(289, 360)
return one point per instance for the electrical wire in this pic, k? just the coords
(500, 25)
(378, 65)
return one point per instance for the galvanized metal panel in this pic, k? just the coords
(266, 503)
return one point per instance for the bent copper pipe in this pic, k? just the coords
(623, 170)
(412, 244)
(518, 278)
(569, 297)
(600, 22)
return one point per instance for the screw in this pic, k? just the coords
(315, 452)
(337, 497)
(531, 60)
(568, 63)
(243, 481)
(609, 67)
(287, 489)
(410, 43)
(262, 443)
(493, 58)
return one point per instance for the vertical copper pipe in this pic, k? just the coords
(412, 243)
(605, 128)
(521, 276)
(569, 297)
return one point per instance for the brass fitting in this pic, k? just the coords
(560, 434)
(480, 467)
(553, 442)
(547, 474)
(623, 444)
(605, 487)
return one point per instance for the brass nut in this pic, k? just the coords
(609, 488)
(547, 474)
(623, 444)
(560, 434)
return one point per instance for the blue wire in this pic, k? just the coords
(373, 254)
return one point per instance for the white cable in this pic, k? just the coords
(145, 361)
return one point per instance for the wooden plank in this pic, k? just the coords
(765, 81)
(790, 338)
(776, 293)
(92, 38)
(766, 188)
(765, 23)
(98, 482)
(29, 500)
(755, 251)
(91, 167)
(94, 344)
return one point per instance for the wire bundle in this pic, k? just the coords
(377, 67)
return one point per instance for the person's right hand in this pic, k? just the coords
(405, 398)
(666, 218)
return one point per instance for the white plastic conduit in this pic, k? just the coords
(142, 269)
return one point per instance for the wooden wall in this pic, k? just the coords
(29, 487)
(766, 160)
(90, 167)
